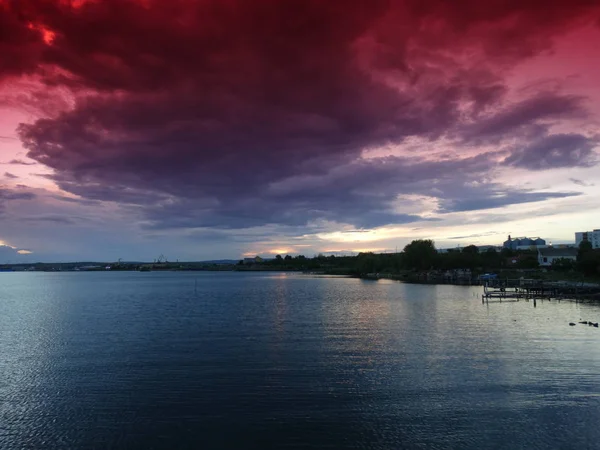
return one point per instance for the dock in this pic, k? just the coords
(528, 289)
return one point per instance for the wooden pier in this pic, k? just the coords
(526, 289)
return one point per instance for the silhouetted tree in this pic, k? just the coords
(584, 248)
(563, 264)
(588, 259)
(491, 259)
(527, 260)
(366, 263)
(420, 254)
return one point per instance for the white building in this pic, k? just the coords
(546, 256)
(591, 236)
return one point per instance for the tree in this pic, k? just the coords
(420, 254)
(507, 252)
(366, 263)
(288, 258)
(585, 247)
(588, 259)
(471, 249)
(278, 258)
(527, 261)
(563, 264)
(491, 259)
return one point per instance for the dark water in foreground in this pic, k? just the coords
(141, 361)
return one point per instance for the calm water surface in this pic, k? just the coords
(149, 361)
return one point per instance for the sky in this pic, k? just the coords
(209, 129)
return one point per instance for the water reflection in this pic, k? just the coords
(279, 306)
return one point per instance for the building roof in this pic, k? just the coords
(558, 252)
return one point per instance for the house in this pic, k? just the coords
(546, 256)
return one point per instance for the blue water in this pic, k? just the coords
(232, 360)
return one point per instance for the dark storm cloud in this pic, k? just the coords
(20, 45)
(555, 151)
(244, 113)
(527, 119)
(344, 194)
(361, 193)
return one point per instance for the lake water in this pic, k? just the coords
(232, 360)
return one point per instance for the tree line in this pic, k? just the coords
(422, 255)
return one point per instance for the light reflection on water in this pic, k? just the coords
(228, 360)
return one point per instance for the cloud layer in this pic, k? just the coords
(236, 114)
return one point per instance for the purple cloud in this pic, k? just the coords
(9, 195)
(527, 119)
(555, 151)
(20, 162)
(247, 113)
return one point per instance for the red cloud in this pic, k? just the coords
(212, 101)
